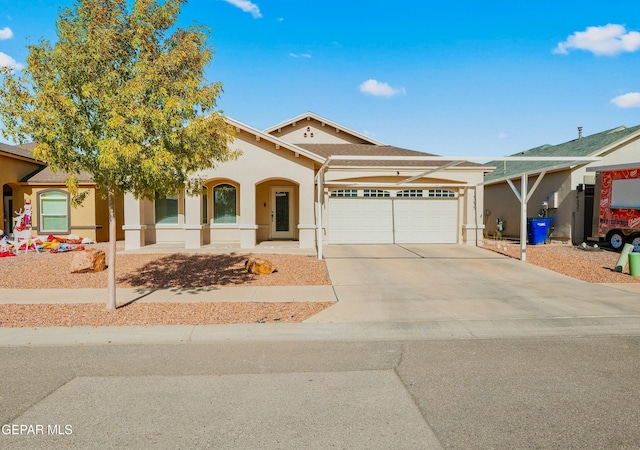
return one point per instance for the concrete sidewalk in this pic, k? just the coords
(258, 294)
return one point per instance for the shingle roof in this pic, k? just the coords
(326, 150)
(586, 146)
(46, 175)
(19, 150)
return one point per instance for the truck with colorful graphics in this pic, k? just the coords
(617, 193)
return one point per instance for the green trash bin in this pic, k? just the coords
(634, 264)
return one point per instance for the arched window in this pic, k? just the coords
(224, 203)
(53, 212)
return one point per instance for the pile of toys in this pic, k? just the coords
(24, 241)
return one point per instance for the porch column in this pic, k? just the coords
(133, 227)
(248, 227)
(306, 203)
(193, 221)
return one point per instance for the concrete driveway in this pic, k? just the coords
(426, 282)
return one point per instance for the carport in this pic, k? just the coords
(387, 219)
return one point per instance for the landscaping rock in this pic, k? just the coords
(88, 261)
(259, 266)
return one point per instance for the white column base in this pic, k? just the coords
(134, 236)
(248, 235)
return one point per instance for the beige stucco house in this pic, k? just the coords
(310, 181)
(566, 190)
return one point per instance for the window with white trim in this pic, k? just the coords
(376, 193)
(54, 212)
(410, 193)
(344, 193)
(440, 193)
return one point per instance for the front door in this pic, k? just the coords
(282, 213)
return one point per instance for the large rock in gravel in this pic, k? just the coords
(88, 261)
(259, 266)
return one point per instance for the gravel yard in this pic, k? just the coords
(586, 265)
(160, 271)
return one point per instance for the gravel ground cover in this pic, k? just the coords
(158, 271)
(587, 265)
(161, 271)
(148, 314)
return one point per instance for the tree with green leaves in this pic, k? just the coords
(122, 96)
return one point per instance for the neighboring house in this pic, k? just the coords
(287, 186)
(566, 191)
(23, 179)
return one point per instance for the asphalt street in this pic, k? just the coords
(426, 347)
(564, 393)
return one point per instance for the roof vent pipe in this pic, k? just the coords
(579, 132)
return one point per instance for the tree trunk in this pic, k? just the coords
(111, 290)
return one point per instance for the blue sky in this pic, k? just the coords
(455, 78)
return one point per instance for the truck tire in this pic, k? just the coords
(615, 238)
(634, 240)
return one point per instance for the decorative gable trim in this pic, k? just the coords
(242, 127)
(323, 122)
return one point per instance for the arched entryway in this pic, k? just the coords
(277, 210)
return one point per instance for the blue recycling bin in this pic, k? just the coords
(538, 230)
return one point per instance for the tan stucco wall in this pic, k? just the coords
(12, 170)
(102, 218)
(82, 218)
(316, 133)
(502, 203)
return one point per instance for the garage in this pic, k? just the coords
(395, 219)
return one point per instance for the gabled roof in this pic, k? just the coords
(310, 115)
(593, 145)
(278, 142)
(326, 150)
(22, 151)
(46, 175)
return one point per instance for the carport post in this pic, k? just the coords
(320, 195)
(523, 217)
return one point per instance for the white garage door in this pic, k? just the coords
(360, 221)
(425, 221)
(392, 220)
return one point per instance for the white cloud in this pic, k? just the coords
(8, 61)
(503, 135)
(300, 55)
(609, 40)
(246, 6)
(380, 89)
(6, 33)
(630, 100)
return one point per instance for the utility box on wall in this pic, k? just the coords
(553, 200)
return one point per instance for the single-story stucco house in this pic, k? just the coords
(25, 179)
(566, 191)
(310, 181)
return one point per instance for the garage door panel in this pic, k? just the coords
(360, 221)
(388, 220)
(425, 221)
